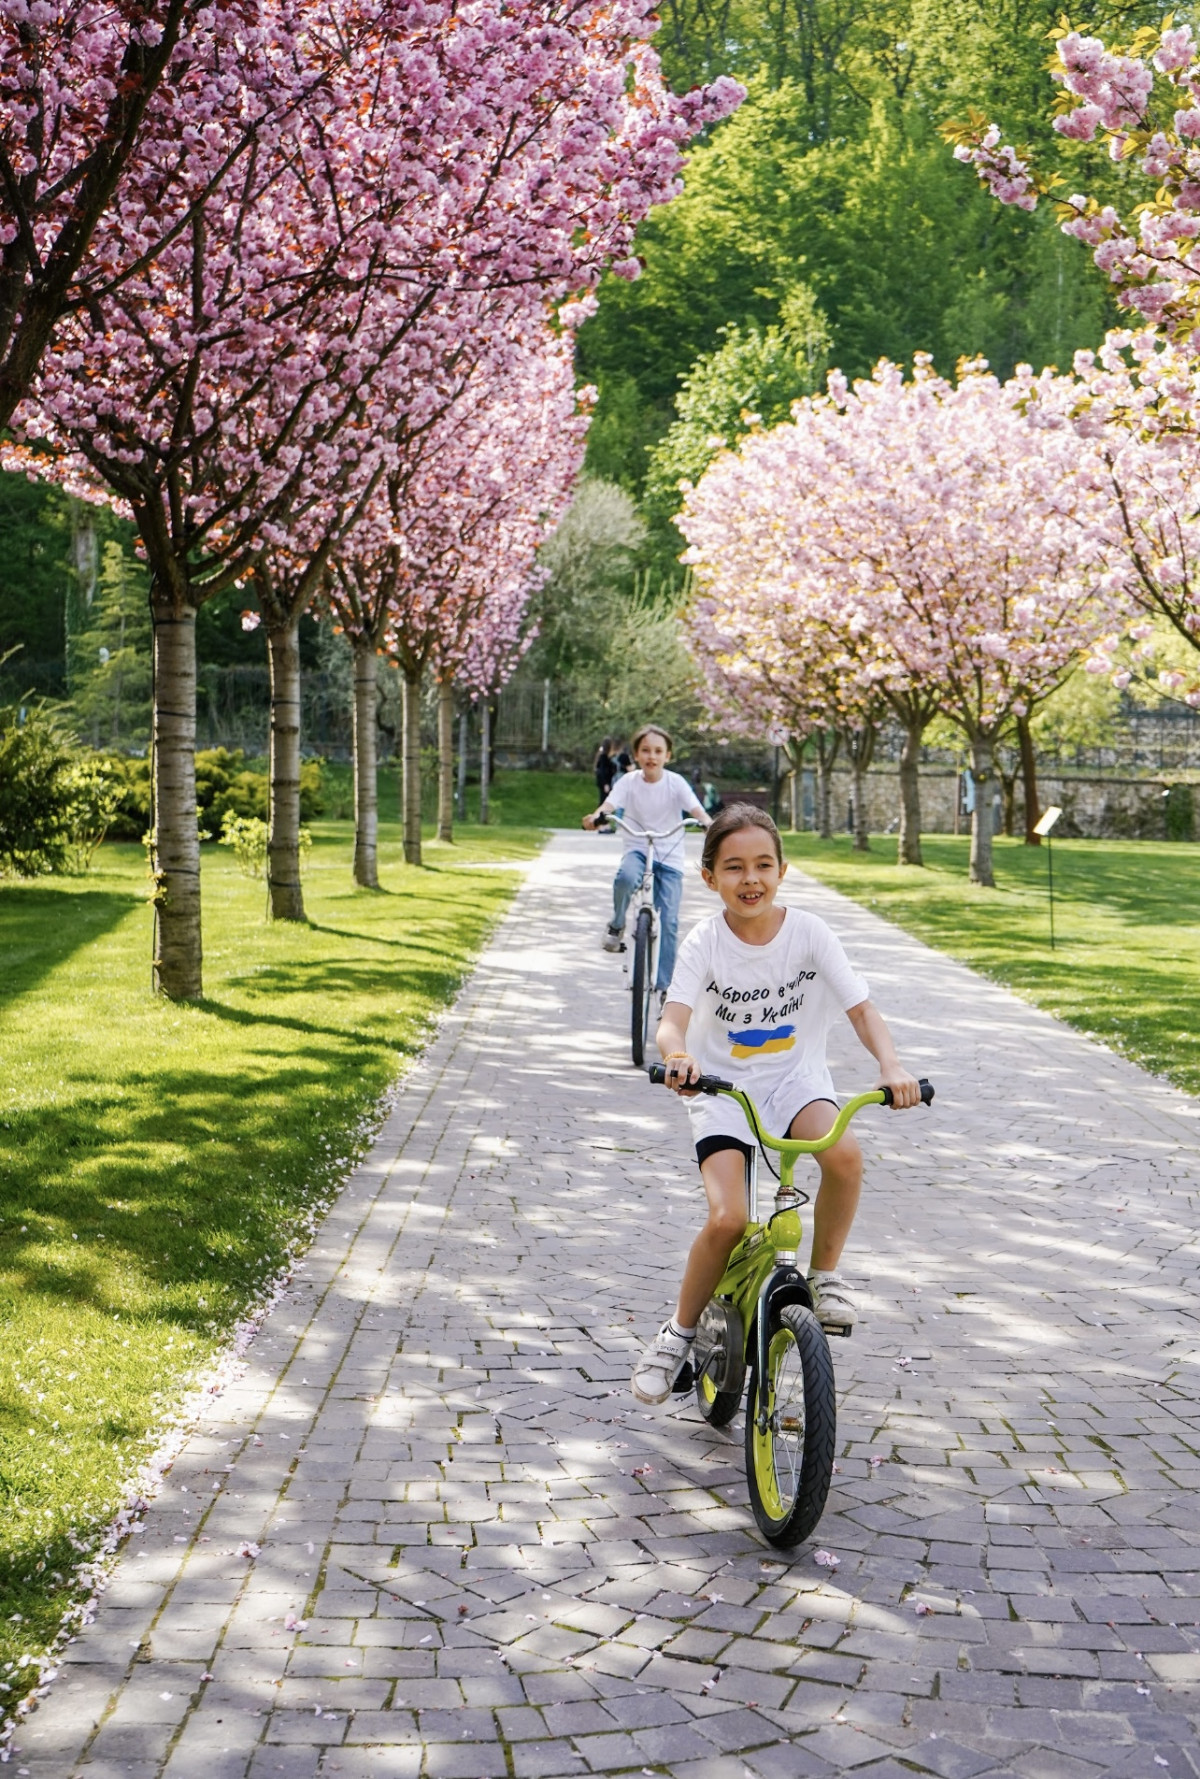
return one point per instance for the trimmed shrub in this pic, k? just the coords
(35, 802)
(225, 785)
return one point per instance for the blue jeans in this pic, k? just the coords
(668, 893)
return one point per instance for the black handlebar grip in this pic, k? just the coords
(702, 1084)
(926, 1093)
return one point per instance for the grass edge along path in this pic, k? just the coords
(1125, 969)
(161, 1165)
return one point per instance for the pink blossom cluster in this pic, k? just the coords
(1149, 108)
(1115, 89)
(439, 567)
(1006, 175)
(898, 534)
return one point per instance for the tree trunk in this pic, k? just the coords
(366, 787)
(908, 841)
(983, 772)
(411, 760)
(446, 759)
(463, 724)
(174, 838)
(826, 746)
(860, 745)
(283, 838)
(485, 758)
(1033, 813)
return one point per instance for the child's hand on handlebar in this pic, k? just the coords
(905, 1088)
(681, 1070)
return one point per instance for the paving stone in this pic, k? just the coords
(512, 1562)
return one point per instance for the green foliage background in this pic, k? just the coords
(833, 179)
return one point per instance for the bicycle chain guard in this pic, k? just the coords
(720, 1352)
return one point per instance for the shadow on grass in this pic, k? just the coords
(42, 926)
(174, 1195)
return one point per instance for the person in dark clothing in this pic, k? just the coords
(605, 768)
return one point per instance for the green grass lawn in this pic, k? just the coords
(516, 799)
(1126, 967)
(157, 1162)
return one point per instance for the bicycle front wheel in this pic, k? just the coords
(789, 1463)
(642, 986)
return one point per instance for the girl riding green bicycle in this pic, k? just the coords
(754, 993)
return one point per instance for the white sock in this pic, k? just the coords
(683, 1333)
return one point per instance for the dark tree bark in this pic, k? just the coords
(445, 828)
(860, 745)
(411, 762)
(908, 841)
(826, 743)
(366, 783)
(983, 771)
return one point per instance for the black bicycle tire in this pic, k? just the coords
(802, 1514)
(720, 1409)
(640, 998)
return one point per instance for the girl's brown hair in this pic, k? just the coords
(731, 820)
(649, 729)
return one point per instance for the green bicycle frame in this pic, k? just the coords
(763, 1266)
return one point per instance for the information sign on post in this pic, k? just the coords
(1044, 828)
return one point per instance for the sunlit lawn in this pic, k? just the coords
(1126, 966)
(157, 1161)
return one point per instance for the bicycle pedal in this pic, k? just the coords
(685, 1381)
(843, 1332)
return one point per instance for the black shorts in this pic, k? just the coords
(713, 1145)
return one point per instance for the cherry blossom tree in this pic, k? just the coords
(954, 546)
(1135, 406)
(443, 566)
(1142, 99)
(427, 148)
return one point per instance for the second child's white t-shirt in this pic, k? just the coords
(762, 1013)
(655, 809)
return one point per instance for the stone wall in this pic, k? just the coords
(1094, 807)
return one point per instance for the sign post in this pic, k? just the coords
(1044, 828)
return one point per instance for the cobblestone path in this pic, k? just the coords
(471, 1555)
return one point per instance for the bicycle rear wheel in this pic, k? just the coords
(642, 986)
(789, 1464)
(720, 1375)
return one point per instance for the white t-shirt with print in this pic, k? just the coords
(653, 808)
(761, 1014)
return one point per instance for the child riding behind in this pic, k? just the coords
(753, 996)
(652, 800)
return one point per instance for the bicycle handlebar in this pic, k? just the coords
(712, 1084)
(688, 821)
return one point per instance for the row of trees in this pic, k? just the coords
(292, 283)
(901, 550)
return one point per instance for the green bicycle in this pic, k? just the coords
(760, 1324)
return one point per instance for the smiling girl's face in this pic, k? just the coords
(746, 874)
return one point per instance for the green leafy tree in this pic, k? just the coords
(607, 634)
(834, 173)
(34, 580)
(752, 379)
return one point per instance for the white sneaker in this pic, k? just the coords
(833, 1305)
(662, 1361)
(614, 939)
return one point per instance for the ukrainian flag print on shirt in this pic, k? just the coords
(762, 1043)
